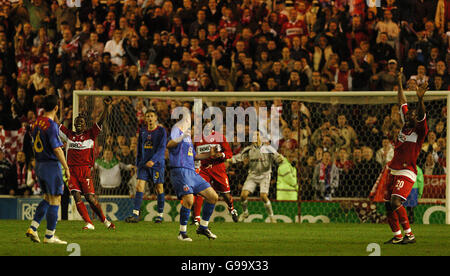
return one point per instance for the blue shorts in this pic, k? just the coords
(50, 177)
(186, 181)
(156, 176)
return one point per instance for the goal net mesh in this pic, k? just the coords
(335, 147)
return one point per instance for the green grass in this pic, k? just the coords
(241, 239)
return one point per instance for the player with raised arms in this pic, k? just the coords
(49, 159)
(402, 167)
(80, 158)
(151, 164)
(213, 169)
(186, 182)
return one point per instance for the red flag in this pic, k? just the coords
(12, 142)
(379, 188)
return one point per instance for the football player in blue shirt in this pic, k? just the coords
(186, 182)
(150, 164)
(49, 158)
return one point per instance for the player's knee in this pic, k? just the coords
(159, 189)
(54, 199)
(395, 202)
(213, 198)
(140, 186)
(91, 199)
(264, 197)
(188, 202)
(76, 196)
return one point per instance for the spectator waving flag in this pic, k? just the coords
(12, 142)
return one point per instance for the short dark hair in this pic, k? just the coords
(151, 110)
(49, 102)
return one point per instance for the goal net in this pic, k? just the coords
(334, 147)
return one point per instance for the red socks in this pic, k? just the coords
(83, 212)
(397, 217)
(198, 202)
(98, 210)
(403, 218)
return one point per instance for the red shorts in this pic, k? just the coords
(81, 180)
(219, 181)
(398, 185)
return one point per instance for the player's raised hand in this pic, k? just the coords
(107, 100)
(400, 75)
(422, 89)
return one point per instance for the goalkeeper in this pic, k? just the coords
(260, 159)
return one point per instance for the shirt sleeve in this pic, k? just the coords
(159, 154)
(63, 133)
(422, 127)
(95, 131)
(403, 110)
(175, 133)
(53, 136)
(226, 148)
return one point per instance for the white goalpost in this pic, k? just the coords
(367, 99)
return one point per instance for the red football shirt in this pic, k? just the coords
(81, 147)
(407, 147)
(213, 141)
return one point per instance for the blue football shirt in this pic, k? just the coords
(151, 147)
(45, 134)
(181, 156)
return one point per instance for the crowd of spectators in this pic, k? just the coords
(50, 47)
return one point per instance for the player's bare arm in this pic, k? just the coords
(422, 89)
(401, 95)
(106, 102)
(61, 157)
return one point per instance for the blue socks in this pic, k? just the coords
(52, 219)
(160, 199)
(50, 212)
(137, 203)
(39, 214)
(207, 211)
(184, 218)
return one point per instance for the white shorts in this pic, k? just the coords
(262, 180)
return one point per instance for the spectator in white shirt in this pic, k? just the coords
(115, 48)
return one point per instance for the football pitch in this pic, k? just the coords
(234, 239)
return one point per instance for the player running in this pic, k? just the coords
(150, 163)
(80, 158)
(213, 169)
(402, 167)
(49, 158)
(186, 182)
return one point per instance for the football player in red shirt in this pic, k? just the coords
(213, 169)
(402, 167)
(80, 159)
